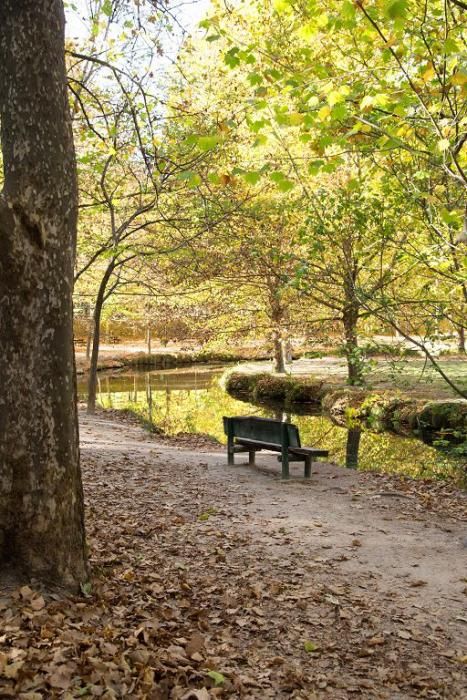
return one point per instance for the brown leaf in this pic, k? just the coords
(61, 676)
(38, 603)
(11, 670)
(201, 694)
(404, 634)
(195, 644)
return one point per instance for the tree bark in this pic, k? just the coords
(352, 448)
(41, 500)
(89, 328)
(277, 314)
(461, 340)
(279, 354)
(350, 322)
(96, 339)
(148, 337)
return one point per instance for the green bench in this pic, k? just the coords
(251, 434)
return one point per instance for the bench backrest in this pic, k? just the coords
(262, 429)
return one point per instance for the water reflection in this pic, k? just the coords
(191, 400)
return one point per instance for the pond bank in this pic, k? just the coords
(167, 360)
(430, 420)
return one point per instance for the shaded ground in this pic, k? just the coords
(351, 585)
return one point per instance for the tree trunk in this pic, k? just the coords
(41, 499)
(96, 338)
(461, 340)
(352, 448)
(148, 337)
(279, 354)
(89, 324)
(354, 363)
(277, 315)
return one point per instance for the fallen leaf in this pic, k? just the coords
(217, 677)
(38, 603)
(404, 634)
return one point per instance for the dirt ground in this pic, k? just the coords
(215, 581)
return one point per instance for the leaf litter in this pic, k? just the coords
(184, 607)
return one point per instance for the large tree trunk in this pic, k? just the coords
(41, 499)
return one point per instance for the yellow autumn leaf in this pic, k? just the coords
(459, 79)
(428, 74)
(324, 112)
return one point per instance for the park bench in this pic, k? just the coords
(251, 434)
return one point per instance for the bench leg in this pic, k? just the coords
(285, 464)
(230, 452)
(230, 443)
(251, 457)
(308, 467)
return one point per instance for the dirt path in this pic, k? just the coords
(344, 559)
(348, 586)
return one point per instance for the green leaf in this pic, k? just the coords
(231, 57)
(315, 167)
(396, 8)
(449, 217)
(206, 143)
(339, 112)
(252, 177)
(310, 646)
(260, 140)
(286, 185)
(217, 677)
(254, 79)
(86, 589)
(190, 177)
(107, 7)
(277, 176)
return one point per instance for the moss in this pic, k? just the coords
(338, 400)
(304, 391)
(270, 388)
(444, 414)
(443, 420)
(401, 415)
(240, 385)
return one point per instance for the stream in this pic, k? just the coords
(190, 400)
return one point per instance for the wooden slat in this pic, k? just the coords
(314, 451)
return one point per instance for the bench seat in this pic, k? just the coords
(252, 434)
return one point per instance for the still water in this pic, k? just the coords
(190, 400)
